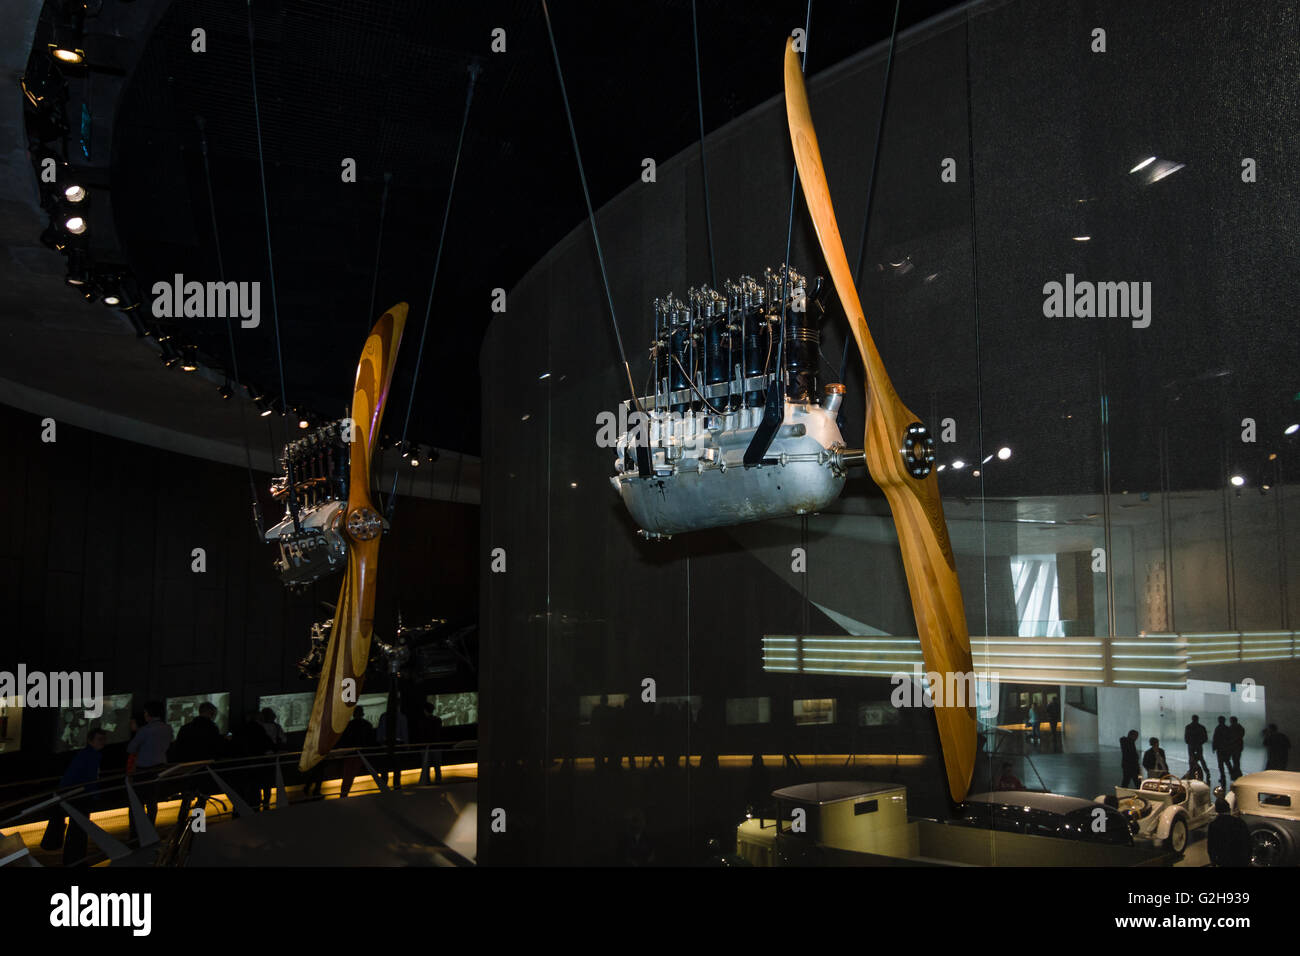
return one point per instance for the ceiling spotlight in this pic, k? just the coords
(987, 459)
(975, 473)
(224, 391)
(1143, 165)
(75, 225)
(1081, 238)
(303, 423)
(74, 193)
(415, 459)
(191, 361)
(1237, 480)
(1165, 168)
(111, 299)
(544, 376)
(264, 407)
(1004, 453)
(1292, 429)
(941, 468)
(67, 54)
(958, 465)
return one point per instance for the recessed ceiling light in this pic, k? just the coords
(74, 193)
(1144, 164)
(67, 54)
(1004, 453)
(75, 225)
(1292, 429)
(1237, 480)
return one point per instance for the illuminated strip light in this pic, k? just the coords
(1147, 644)
(1039, 659)
(861, 650)
(1054, 657)
(1049, 642)
(1062, 667)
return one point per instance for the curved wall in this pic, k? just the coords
(1124, 435)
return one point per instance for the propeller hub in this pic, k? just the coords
(364, 524)
(918, 450)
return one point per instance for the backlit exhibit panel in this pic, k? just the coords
(74, 725)
(456, 710)
(11, 724)
(293, 711)
(181, 710)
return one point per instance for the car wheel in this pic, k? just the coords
(1178, 836)
(1267, 848)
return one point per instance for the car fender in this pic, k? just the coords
(1167, 818)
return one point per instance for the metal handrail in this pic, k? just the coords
(119, 783)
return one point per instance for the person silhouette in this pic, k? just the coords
(1128, 757)
(1219, 743)
(1195, 735)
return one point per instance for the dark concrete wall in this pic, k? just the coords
(95, 565)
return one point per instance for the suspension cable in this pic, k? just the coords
(433, 282)
(789, 228)
(275, 308)
(379, 247)
(871, 178)
(591, 213)
(704, 169)
(230, 331)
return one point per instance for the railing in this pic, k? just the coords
(236, 787)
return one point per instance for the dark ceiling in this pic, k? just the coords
(384, 83)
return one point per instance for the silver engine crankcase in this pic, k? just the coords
(700, 481)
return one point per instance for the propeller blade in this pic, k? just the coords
(348, 651)
(914, 502)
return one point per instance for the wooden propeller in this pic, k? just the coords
(348, 651)
(895, 457)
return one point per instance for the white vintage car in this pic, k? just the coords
(1165, 809)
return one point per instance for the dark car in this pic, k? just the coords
(1045, 814)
